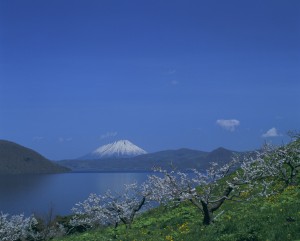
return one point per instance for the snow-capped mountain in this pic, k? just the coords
(120, 149)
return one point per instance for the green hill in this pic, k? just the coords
(276, 218)
(17, 159)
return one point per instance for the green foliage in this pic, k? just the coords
(274, 218)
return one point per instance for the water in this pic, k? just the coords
(38, 193)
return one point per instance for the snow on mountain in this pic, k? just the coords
(121, 148)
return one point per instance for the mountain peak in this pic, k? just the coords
(121, 149)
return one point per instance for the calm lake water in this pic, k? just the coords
(37, 193)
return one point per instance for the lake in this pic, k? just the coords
(38, 193)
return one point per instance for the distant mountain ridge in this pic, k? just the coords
(17, 159)
(183, 159)
(117, 149)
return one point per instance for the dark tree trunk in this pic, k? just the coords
(208, 214)
(128, 220)
(116, 224)
(208, 209)
(218, 204)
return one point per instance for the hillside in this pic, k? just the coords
(182, 159)
(274, 218)
(17, 159)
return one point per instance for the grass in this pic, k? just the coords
(274, 218)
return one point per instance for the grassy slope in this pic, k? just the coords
(273, 218)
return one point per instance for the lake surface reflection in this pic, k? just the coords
(37, 193)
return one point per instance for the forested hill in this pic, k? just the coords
(17, 159)
(183, 159)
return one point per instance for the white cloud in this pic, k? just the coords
(271, 133)
(229, 125)
(108, 134)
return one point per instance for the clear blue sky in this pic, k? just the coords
(75, 75)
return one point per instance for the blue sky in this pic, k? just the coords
(75, 75)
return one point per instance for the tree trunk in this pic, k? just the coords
(208, 208)
(208, 214)
(218, 204)
(116, 224)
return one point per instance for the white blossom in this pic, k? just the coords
(254, 171)
(111, 208)
(16, 227)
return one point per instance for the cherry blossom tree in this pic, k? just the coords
(111, 208)
(284, 161)
(127, 205)
(17, 227)
(275, 163)
(208, 191)
(92, 212)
